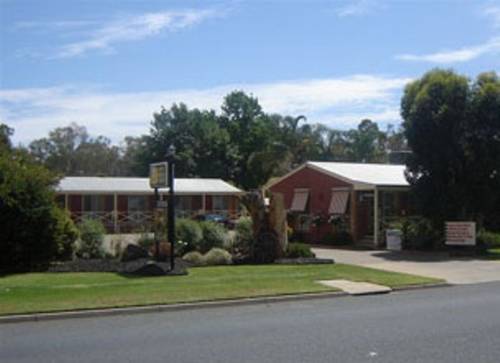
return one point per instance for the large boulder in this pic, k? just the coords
(134, 252)
(151, 268)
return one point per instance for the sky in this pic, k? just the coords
(109, 65)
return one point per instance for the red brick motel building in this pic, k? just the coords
(127, 204)
(364, 196)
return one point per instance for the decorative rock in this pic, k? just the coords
(106, 265)
(134, 252)
(151, 268)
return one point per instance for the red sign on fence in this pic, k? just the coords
(461, 233)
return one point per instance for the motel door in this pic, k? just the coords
(365, 213)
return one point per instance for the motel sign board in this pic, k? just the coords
(158, 175)
(461, 233)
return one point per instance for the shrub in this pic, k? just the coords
(214, 235)
(243, 239)
(32, 232)
(66, 236)
(340, 232)
(146, 241)
(195, 258)
(488, 239)
(296, 250)
(190, 232)
(91, 239)
(217, 256)
(419, 233)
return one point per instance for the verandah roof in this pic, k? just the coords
(103, 185)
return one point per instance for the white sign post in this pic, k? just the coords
(461, 233)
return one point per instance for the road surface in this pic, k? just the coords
(451, 324)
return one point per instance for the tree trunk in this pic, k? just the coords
(269, 226)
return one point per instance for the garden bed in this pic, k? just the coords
(113, 265)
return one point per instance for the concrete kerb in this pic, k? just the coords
(187, 306)
(165, 308)
(421, 287)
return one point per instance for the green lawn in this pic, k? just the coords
(493, 254)
(43, 292)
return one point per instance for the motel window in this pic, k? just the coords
(94, 203)
(299, 202)
(389, 207)
(220, 202)
(183, 202)
(339, 201)
(137, 203)
(304, 222)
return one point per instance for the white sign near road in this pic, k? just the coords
(461, 233)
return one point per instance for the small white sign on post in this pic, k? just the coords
(461, 233)
(161, 204)
(158, 175)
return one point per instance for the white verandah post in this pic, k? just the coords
(115, 213)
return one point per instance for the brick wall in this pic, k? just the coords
(320, 191)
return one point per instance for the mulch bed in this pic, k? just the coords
(304, 261)
(139, 266)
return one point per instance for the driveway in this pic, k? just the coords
(455, 270)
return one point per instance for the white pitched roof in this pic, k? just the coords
(360, 175)
(365, 173)
(141, 185)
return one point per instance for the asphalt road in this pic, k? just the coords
(452, 324)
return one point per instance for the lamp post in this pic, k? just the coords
(171, 204)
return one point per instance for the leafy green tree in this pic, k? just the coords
(483, 149)
(203, 148)
(245, 145)
(5, 133)
(71, 151)
(34, 229)
(367, 143)
(435, 109)
(252, 133)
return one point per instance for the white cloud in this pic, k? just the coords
(340, 102)
(64, 24)
(105, 36)
(493, 12)
(356, 8)
(464, 54)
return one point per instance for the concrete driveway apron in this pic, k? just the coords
(455, 270)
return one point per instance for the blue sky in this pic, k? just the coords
(109, 65)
